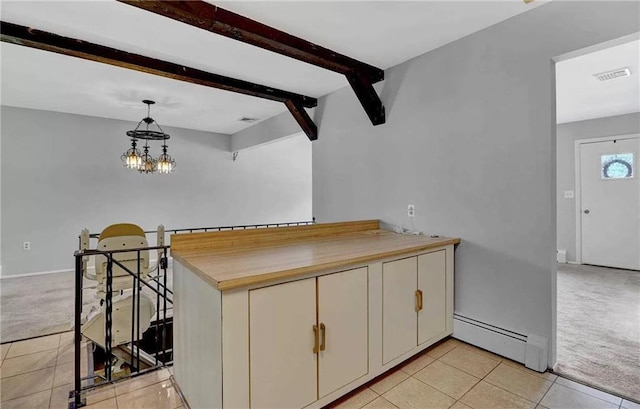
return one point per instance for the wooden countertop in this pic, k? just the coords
(234, 259)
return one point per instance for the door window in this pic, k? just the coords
(618, 166)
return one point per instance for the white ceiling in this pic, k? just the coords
(381, 33)
(581, 96)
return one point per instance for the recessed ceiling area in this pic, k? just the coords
(383, 34)
(581, 96)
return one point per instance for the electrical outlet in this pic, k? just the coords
(411, 210)
(26, 246)
(568, 194)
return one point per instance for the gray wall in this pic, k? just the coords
(267, 131)
(0, 193)
(567, 134)
(62, 172)
(470, 140)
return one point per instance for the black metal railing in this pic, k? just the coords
(157, 285)
(221, 228)
(146, 351)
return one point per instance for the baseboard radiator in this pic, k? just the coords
(531, 349)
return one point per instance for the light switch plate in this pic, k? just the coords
(568, 194)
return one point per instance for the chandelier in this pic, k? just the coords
(143, 162)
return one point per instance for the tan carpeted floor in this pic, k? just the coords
(36, 305)
(42, 305)
(599, 327)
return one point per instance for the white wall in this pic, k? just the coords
(568, 133)
(62, 172)
(470, 140)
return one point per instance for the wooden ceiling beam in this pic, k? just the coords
(217, 20)
(42, 40)
(303, 119)
(229, 24)
(368, 97)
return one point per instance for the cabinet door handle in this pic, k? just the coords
(419, 304)
(323, 342)
(315, 339)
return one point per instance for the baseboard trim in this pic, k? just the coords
(69, 270)
(501, 341)
(39, 273)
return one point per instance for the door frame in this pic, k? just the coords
(578, 185)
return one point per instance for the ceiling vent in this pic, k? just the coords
(612, 75)
(248, 119)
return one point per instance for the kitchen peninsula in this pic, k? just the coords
(295, 317)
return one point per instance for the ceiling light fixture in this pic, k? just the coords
(132, 158)
(144, 162)
(165, 163)
(148, 164)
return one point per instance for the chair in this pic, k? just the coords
(118, 237)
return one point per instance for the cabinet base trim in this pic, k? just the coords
(374, 373)
(501, 341)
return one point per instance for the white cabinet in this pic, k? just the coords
(283, 370)
(432, 283)
(308, 338)
(414, 301)
(399, 325)
(256, 347)
(343, 320)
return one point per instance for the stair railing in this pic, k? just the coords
(164, 299)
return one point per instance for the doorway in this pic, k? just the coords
(598, 216)
(608, 202)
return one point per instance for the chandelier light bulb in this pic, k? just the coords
(132, 157)
(148, 163)
(165, 163)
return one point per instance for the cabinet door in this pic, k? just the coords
(343, 313)
(399, 319)
(432, 283)
(282, 364)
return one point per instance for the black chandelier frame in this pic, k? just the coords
(144, 162)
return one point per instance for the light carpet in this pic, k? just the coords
(41, 305)
(599, 327)
(37, 305)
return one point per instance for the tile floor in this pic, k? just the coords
(459, 376)
(38, 374)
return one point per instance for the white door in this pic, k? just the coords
(610, 203)
(283, 364)
(344, 329)
(399, 318)
(432, 274)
